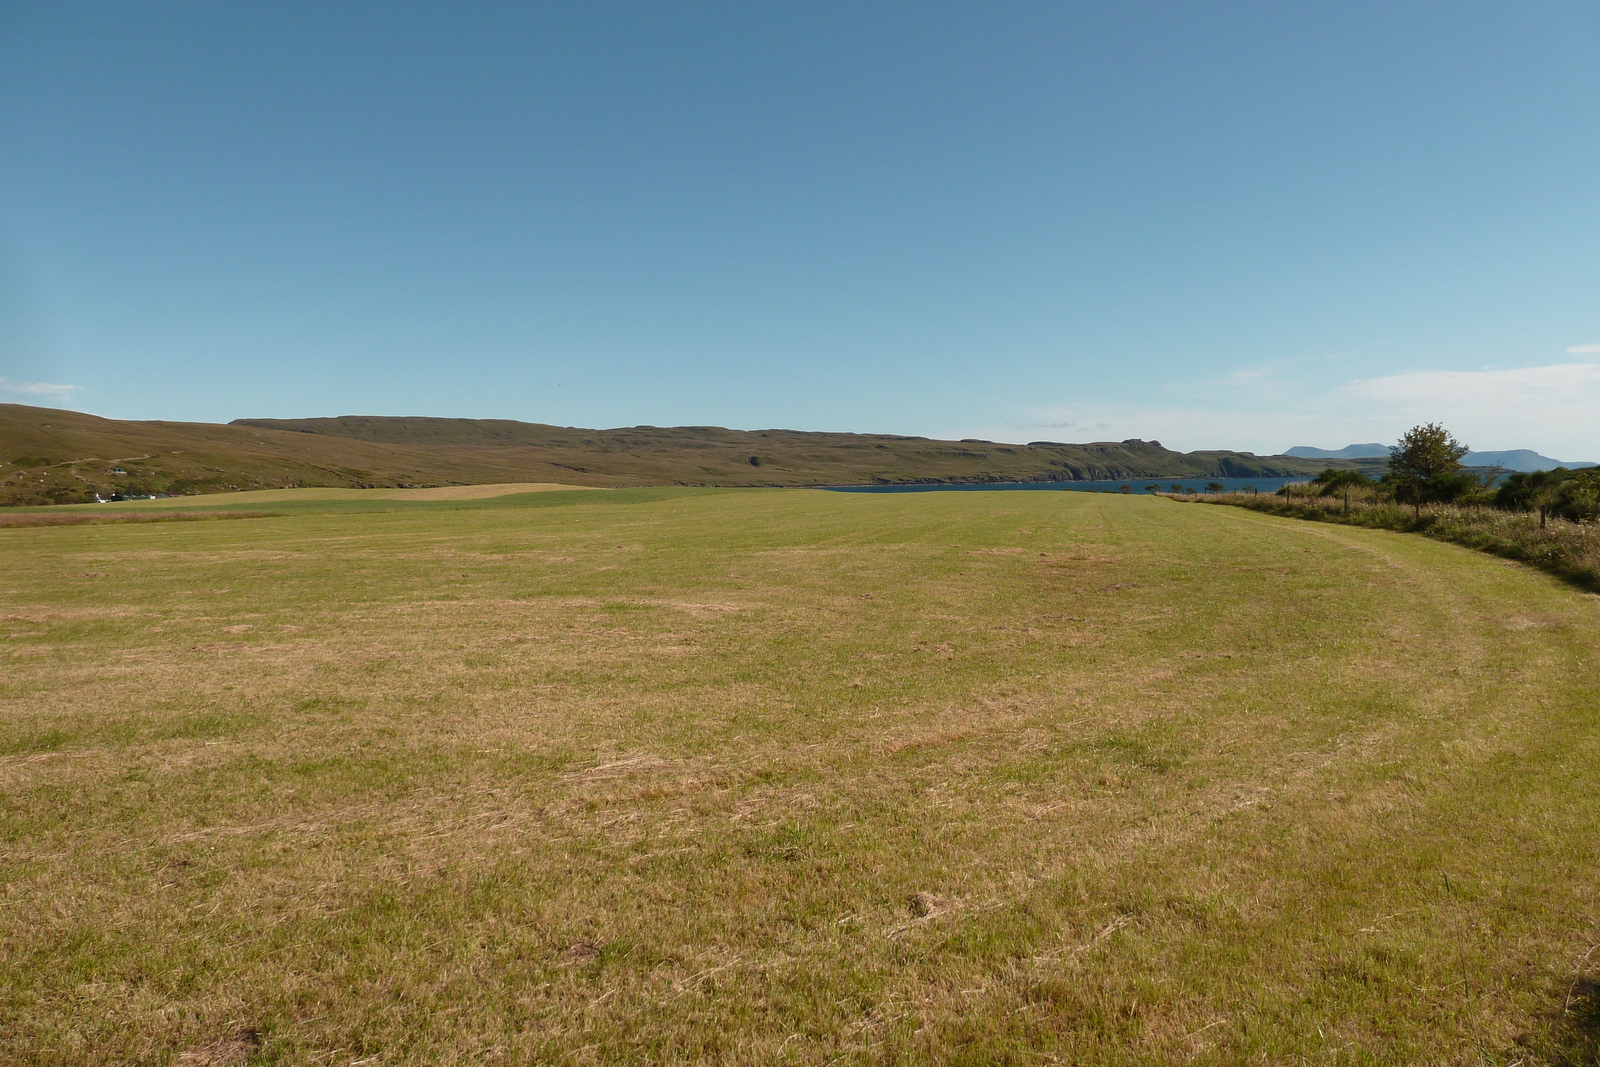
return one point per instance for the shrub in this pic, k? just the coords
(1571, 495)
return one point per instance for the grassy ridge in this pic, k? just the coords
(1567, 549)
(49, 456)
(792, 777)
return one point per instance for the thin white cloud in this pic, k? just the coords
(1274, 369)
(1250, 375)
(1583, 350)
(1553, 409)
(60, 392)
(1562, 390)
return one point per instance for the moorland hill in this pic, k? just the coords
(49, 455)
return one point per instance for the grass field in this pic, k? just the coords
(786, 776)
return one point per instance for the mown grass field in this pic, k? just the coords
(770, 776)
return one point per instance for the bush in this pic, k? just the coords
(1566, 494)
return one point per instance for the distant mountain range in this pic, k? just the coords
(1347, 452)
(1520, 459)
(1515, 459)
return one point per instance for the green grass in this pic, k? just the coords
(1569, 550)
(791, 777)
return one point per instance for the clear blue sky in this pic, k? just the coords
(1244, 225)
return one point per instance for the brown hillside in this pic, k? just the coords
(49, 455)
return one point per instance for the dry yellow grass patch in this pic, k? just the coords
(792, 777)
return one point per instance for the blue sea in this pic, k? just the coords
(1138, 485)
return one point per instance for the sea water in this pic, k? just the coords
(1132, 485)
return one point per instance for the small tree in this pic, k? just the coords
(1425, 465)
(1176, 488)
(1546, 497)
(1336, 480)
(1152, 489)
(1215, 487)
(1535, 491)
(1578, 499)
